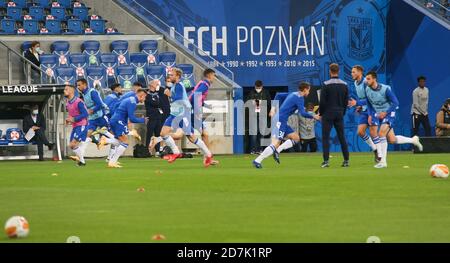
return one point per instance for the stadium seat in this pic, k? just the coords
(61, 49)
(79, 63)
(65, 75)
(120, 48)
(14, 12)
(81, 13)
(48, 65)
(150, 48)
(167, 59)
(139, 62)
(8, 26)
(91, 49)
(31, 26)
(97, 26)
(25, 46)
(109, 64)
(59, 13)
(188, 75)
(65, 3)
(43, 3)
(53, 26)
(20, 3)
(75, 26)
(156, 72)
(15, 136)
(126, 76)
(96, 78)
(37, 12)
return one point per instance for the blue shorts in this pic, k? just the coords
(389, 120)
(79, 133)
(283, 129)
(119, 128)
(180, 122)
(98, 123)
(363, 118)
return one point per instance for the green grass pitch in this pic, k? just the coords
(296, 201)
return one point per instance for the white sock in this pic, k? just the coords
(201, 144)
(384, 147)
(403, 140)
(113, 141)
(286, 145)
(377, 144)
(82, 147)
(112, 150)
(88, 140)
(158, 139)
(266, 153)
(369, 142)
(108, 134)
(171, 143)
(119, 151)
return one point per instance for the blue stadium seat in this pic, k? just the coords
(188, 75)
(81, 13)
(62, 50)
(48, 65)
(126, 76)
(43, 3)
(58, 12)
(167, 59)
(109, 64)
(31, 26)
(91, 49)
(120, 48)
(8, 26)
(20, 3)
(96, 78)
(79, 63)
(65, 75)
(75, 26)
(25, 46)
(37, 12)
(65, 3)
(157, 72)
(139, 62)
(14, 12)
(150, 48)
(98, 26)
(53, 26)
(15, 136)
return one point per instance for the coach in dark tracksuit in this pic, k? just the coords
(334, 98)
(36, 121)
(154, 112)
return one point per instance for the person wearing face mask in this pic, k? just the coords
(260, 98)
(443, 120)
(36, 122)
(33, 55)
(154, 112)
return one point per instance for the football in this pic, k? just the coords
(439, 171)
(17, 227)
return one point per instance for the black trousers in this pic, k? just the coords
(417, 120)
(40, 139)
(336, 120)
(311, 143)
(154, 126)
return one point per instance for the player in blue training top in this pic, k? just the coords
(136, 86)
(97, 109)
(119, 124)
(293, 102)
(112, 101)
(180, 117)
(360, 95)
(381, 105)
(280, 97)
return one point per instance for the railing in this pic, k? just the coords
(171, 34)
(438, 10)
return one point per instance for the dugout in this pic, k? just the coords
(16, 102)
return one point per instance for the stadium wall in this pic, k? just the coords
(390, 37)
